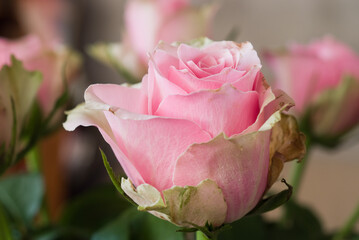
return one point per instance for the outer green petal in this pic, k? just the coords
(21, 86)
(184, 206)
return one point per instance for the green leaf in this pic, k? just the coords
(114, 179)
(272, 202)
(5, 233)
(22, 196)
(93, 209)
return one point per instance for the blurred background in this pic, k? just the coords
(330, 183)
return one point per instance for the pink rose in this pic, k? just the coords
(47, 58)
(323, 79)
(195, 137)
(149, 21)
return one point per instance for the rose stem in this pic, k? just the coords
(201, 236)
(349, 225)
(298, 171)
(295, 177)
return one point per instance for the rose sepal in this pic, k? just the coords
(114, 179)
(272, 202)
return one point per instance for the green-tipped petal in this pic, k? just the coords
(187, 206)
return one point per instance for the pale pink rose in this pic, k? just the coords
(149, 21)
(194, 138)
(316, 76)
(48, 58)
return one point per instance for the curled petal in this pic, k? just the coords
(287, 143)
(113, 95)
(84, 116)
(272, 103)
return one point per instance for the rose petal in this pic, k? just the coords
(158, 87)
(246, 81)
(190, 83)
(270, 102)
(152, 144)
(287, 144)
(187, 206)
(83, 116)
(225, 110)
(196, 70)
(244, 57)
(239, 166)
(164, 58)
(187, 53)
(113, 95)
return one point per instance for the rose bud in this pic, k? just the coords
(18, 88)
(48, 58)
(195, 138)
(37, 76)
(146, 23)
(323, 79)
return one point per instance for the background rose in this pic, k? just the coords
(18, 88)
(323, 79)
(48, 58)
(201, 118)
(146, 23)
